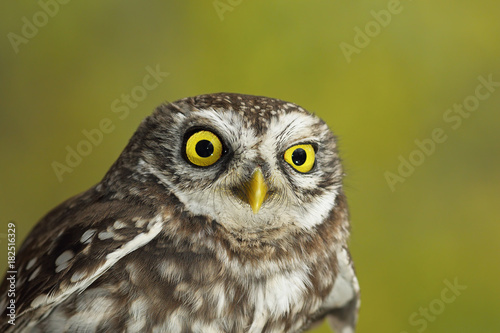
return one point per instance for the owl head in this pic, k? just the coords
(251, 163)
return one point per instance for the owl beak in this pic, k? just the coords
(256, 190)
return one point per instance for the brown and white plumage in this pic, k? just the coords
(164, 245)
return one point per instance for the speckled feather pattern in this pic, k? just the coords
(161, 246)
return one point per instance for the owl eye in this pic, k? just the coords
(301, 157)
(203, 148)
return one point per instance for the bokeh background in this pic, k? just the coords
(440, 224)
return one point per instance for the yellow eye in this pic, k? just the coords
(301, 157)
(203, 148)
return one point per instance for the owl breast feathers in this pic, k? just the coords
(224, 213)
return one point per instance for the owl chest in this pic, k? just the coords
(280, 302)
(202, 294)
(197, 291)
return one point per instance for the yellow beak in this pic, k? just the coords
(256, 190)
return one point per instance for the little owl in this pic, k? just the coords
(224, 213)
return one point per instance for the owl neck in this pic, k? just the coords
(275, 246)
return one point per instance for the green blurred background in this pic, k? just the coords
(441, 223)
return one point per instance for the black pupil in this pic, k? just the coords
(204, 148)
(299, 156)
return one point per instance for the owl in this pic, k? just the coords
(224, 213)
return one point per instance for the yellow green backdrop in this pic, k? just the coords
(409, 87)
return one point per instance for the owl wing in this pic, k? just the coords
(342, 304)
(71, 247)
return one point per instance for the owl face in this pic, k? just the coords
(250, 163)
